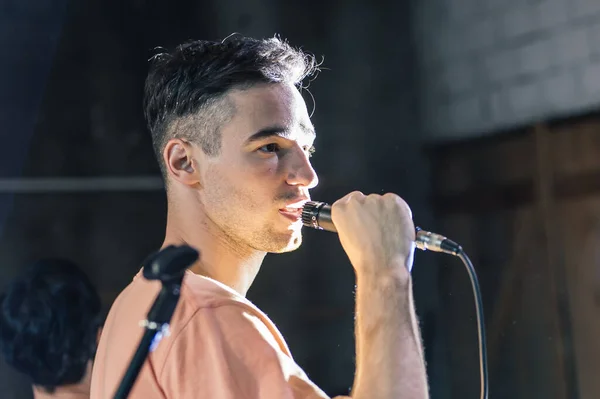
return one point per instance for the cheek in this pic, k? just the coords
(218, 185)
(263, 168)
(251, 181)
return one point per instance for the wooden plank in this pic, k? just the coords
(487, 198)
(496, 173)
(581, 234)
(509, 292)
(567, 385)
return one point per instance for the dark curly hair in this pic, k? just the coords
(185, 90)
(49, 321)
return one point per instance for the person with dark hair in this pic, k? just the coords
(49, 326)
(233, 139)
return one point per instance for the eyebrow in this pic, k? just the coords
(278, 131)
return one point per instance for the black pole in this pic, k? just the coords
(136, 364)
(167, 266)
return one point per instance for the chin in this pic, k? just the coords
(285, 244)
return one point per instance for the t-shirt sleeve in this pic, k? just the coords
(227, 352)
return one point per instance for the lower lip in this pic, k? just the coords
(293, 216)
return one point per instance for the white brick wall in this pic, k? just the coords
(486, 65)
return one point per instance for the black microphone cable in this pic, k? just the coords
(317, 215)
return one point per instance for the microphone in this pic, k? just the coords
(317, 215)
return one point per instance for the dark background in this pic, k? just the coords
(78, 177)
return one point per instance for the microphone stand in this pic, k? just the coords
(167, 266)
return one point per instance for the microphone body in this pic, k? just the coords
(317, 215)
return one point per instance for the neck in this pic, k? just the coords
(221, 257)
(77, 391)
(80, 390)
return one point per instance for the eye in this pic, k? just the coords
(309, 149)
(269, 148)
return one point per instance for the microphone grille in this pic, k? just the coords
(310, 214)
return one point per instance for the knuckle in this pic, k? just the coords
(339, 205)
(398, 203)
(372, 198)
(356, 197)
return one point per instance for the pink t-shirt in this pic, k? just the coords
(220, 346)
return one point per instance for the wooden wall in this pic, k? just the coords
(526, 207)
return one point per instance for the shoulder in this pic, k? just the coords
(230, 347)
(209, 314)
(225, 343)
(226, 322)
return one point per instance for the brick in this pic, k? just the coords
(499, 109)
(524, 98)
(559, 90)
(480, 34)
(584, 8)
(459, 76)
(494, 6)
(551, 14)
(593, 34)
(535, 57)
(462, 10)
(465, 113)
(518, 21)
(500, 65)
(590, 79)
(571, 46)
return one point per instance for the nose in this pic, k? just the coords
(301, 172)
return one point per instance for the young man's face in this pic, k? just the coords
(255, 188)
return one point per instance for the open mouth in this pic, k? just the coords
(293, 211)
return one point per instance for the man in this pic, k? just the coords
(233, 138)
(49, 326)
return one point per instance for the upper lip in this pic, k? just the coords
(297, 203)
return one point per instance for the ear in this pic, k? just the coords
(180, 163)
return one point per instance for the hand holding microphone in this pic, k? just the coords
(317, 215)
(373, 229)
